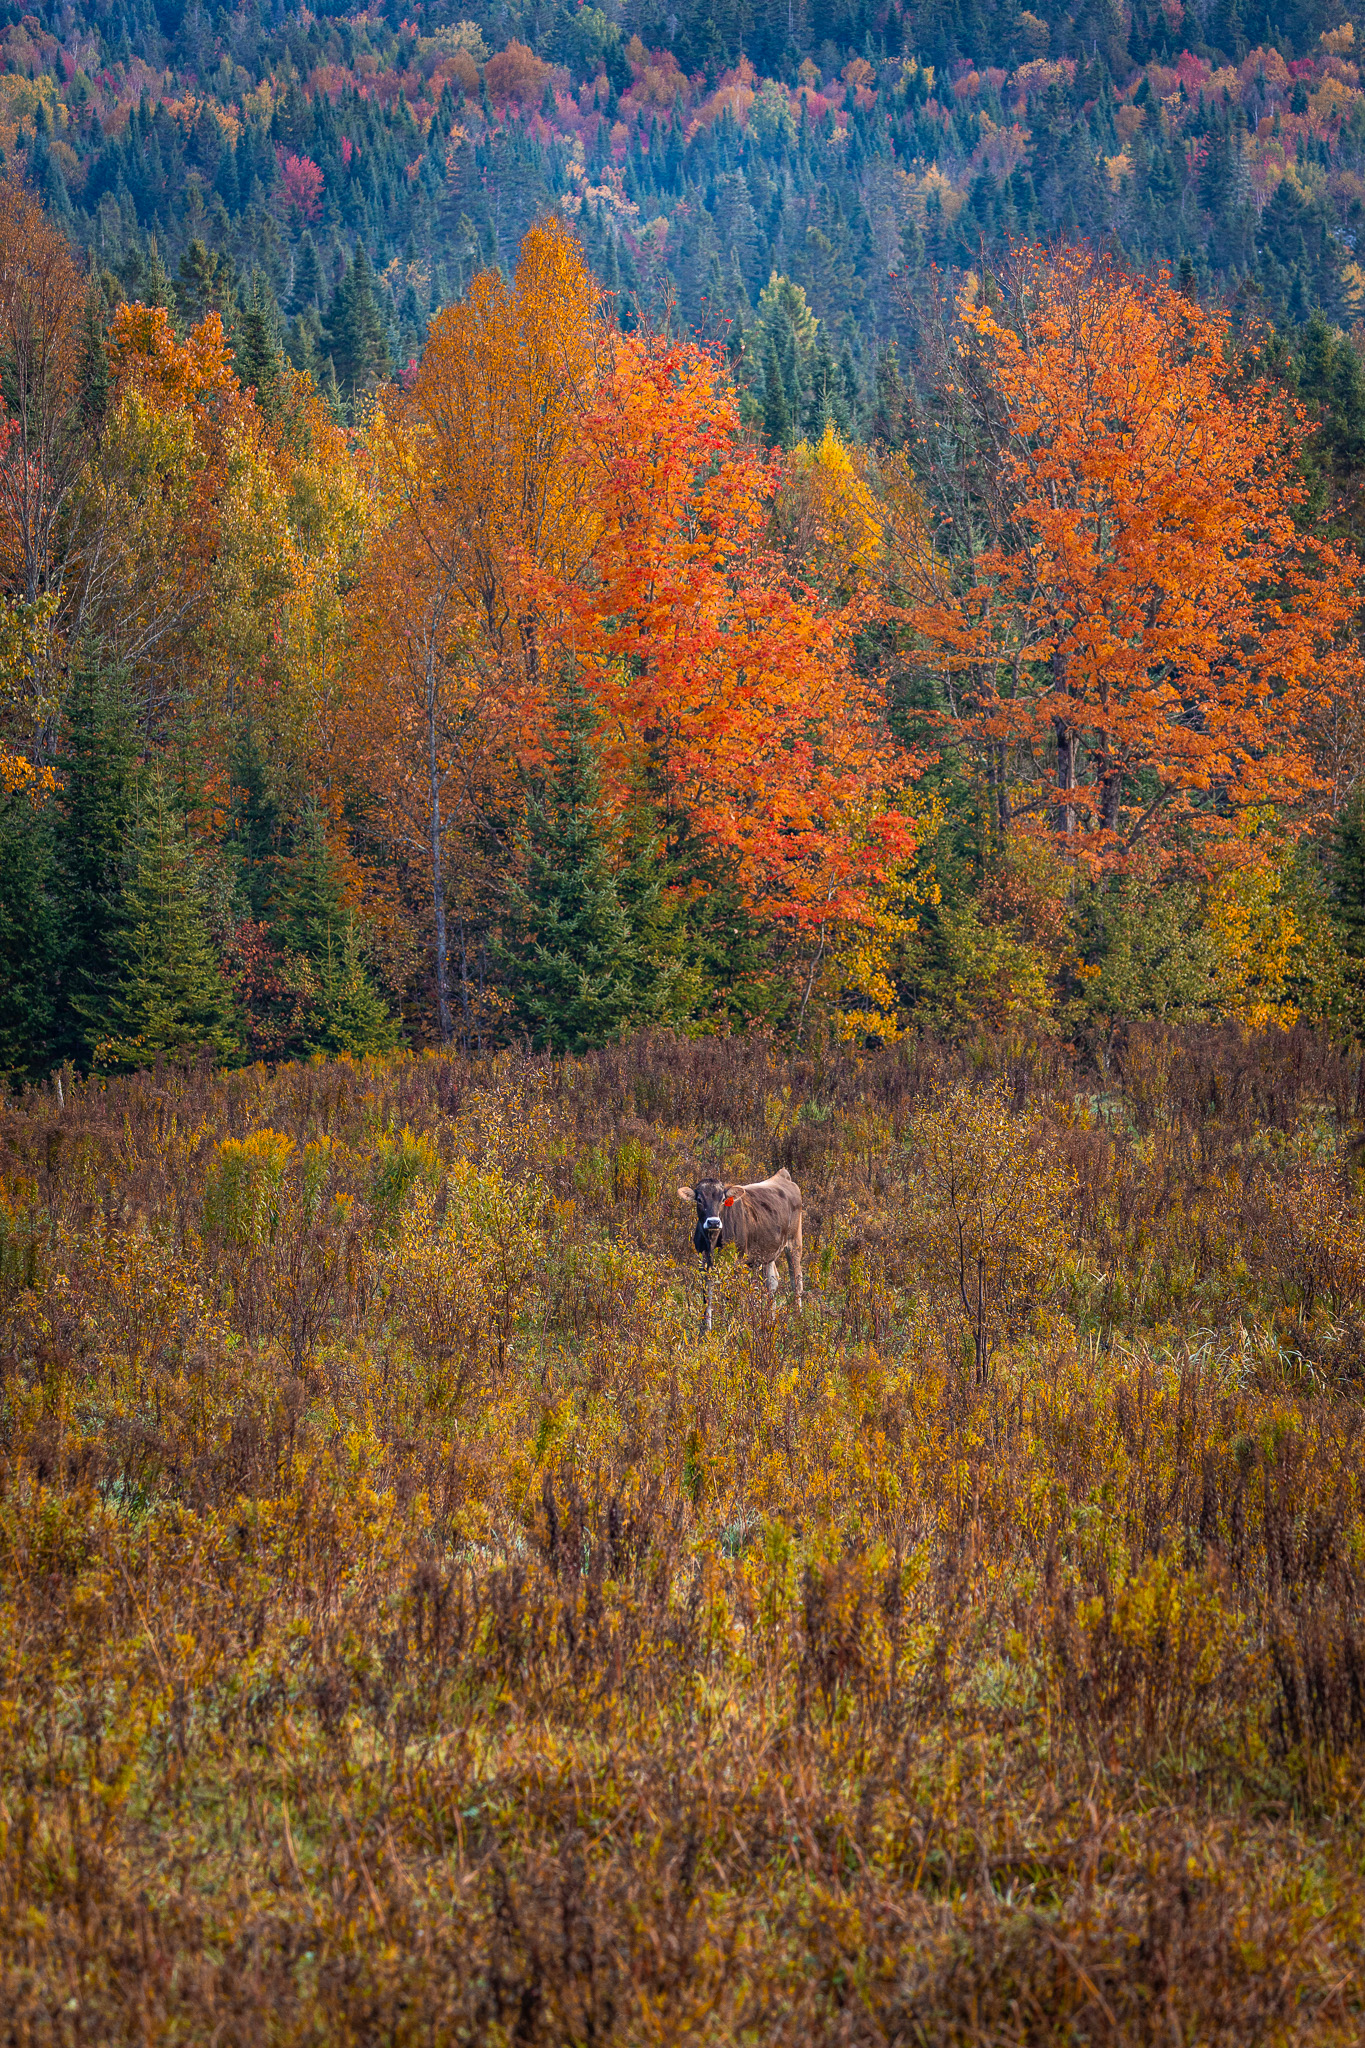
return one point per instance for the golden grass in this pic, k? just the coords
(412, 1631)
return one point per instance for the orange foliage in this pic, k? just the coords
(42, 447)
(516, 73)
(737, 686)
(145, 356)
(1148, 631)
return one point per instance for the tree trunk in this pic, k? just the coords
(1111, 789)
(1066, 744)
(438, 887)
(1066, 774)
(464, 979)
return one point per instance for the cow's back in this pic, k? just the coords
(771, 1211)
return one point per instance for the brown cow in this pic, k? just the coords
(761, 1220)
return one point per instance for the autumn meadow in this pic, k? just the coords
(440, 823)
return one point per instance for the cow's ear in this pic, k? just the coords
(687, 1194)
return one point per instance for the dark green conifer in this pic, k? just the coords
(307, 275)
(568, 953)
(167, 996)
(1348, 876)
(28, 936)
(777, 426)
(344, 1011)
(92, 823)
(96, 381)
(260, 358)
(354, 335)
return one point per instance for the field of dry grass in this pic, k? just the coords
(412, 1631)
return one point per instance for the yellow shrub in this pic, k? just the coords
(242, 1199)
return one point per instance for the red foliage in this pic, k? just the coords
(301, 182)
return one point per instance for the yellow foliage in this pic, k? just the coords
(242, 1197)
(834, 508)
(1254, 938)
(860, 984)
(995, 1202)
(27, 691)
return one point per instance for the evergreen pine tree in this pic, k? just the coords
(345, 1012)
(889, 402)
(149, 280)
(28, 936)
(666, 989)
(776, 418)
(850, 400)
(92, 823)
(821, 409)
(254, 828)
(355, 335)
(1348, 878)
(205, 284)
(569, 955)
(168, 996)
(260, 359)
(93, 372)
(307, 275)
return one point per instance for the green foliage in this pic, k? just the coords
(94, 822)
(343, 1011)
(29, 936)
(571, 960)
(354, 336)
(259, 355)
(166, 993)
(242, 1195)
(399, 1165)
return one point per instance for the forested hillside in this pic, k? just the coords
(208, 157)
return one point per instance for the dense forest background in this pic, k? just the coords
(279, 249)
(204, 154)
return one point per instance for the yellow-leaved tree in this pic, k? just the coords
(478, 486)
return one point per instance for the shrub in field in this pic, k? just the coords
(995, 1212)
(242, 1200)
(399, 1164)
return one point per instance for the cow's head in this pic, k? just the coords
(711, 1202)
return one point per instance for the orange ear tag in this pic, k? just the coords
(729, 1202)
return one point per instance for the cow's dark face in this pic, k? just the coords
(710, 1200)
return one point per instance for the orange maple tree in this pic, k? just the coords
(1148, 629)
(732, 682)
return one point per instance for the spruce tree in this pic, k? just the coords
(92, 824)
(94, 375)
(569, 955)
(260, 358)
(307, 276)
(168, 995)
(1348, 878)
(355, 331)
(666, 986)
(255, 823)
(28, 936)
(777, 427)
(344, 1011)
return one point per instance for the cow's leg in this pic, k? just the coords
(770, 1275)
(794, 1268)
(706, 1319)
